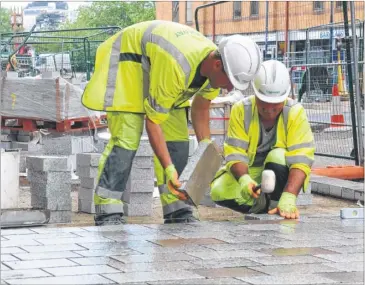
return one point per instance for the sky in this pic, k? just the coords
(73, 5)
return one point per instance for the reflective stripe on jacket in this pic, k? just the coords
(293, 134)
(148, 68)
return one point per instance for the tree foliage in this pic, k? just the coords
(5, 26)
(120, 13)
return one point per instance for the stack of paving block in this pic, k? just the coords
(87, 170)
(69, 146)
(50, 185)
(138, 195)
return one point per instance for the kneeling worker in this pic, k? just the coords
(266, 131)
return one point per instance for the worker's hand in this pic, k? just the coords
(287, 207)
(247, 185)
(173, 183)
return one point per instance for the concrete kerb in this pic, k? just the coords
(338, 188)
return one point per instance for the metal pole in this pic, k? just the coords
(331, 31)
(266, 28)
(351, 86)
(357, 85)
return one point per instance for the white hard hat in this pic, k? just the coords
(272, 82)
(241, 59)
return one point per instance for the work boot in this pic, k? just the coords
(109, 219)
(180, 216)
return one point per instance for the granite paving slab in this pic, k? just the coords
(307, 251)
(290, 279)
(206, 281)
(63, 280)
(121, 278)
(347, 277)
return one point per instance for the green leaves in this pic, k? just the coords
(116, 13)
(5, 25)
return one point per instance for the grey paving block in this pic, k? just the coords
(46, 255)
(39, 263)
(50, 190)
(152, 276)
(108, 252)
(23, 138)
(75, 280)
(140, 186)
(49, 177)
(137, 210)
(65, 145)
(335, 191)
(226, 254)
(277, 260)
(6, 145)
(90, 183)
(289, 278)
(304, 199)
(60, 203)
(60, 241)
(345, 277)
(23, 217)
(348, 193)
(86, 171)
(51, 248)
(11, 250)
(297, 268)
(347, 266)
(60, 217)
(81, 270)
(86, 206)
(345, 257)
(359, 195)
(263, 217)
(207, 201)
(23, 273)
(143, 162)
(137, 198)
(144, 148)
(24, 231)
(88, 159)
(141, 174)
(7, 257)
(27, 146)
(86, 194)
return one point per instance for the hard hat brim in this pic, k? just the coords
(238, 85)
(273, 100)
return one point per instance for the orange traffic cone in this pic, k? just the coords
(337, 118)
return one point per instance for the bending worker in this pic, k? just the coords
(266, 131)
(147, 73)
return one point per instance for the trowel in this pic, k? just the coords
(199, 173)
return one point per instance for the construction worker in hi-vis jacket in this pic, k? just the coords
(145, 74)
(266, 131)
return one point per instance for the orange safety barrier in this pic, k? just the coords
(348, 172)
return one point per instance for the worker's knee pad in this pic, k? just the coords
(275, 161)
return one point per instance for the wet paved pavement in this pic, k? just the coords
(314, 250)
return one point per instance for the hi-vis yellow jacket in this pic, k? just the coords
(148, 68)
(293, 134)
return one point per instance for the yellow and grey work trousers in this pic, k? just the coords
(116, 161)
(176, 134)
(226, 191)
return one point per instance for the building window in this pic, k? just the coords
(339, 5)
(175, 11)
(318, 6)
(189, 12)
(254, 8)
(237, 13)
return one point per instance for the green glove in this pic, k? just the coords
(247, 184)
(206, 140)
(287, 207)
(173, 183)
